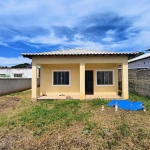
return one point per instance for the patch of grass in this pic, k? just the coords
(14, 94)
(2, 120)
(124, 129)
(142, 134)
(111, 143)
(41, 116)
(144, 99)
(98, 102)
(89, 126)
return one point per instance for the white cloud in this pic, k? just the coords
(13, 61)
(107, 39)
(68, 13)
(4, 44)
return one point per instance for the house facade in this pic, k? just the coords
(79, 74)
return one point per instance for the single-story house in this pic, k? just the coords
(79, 74)
(140, 62)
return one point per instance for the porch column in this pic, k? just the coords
(125, 89)
(34, 82)
(82, 81)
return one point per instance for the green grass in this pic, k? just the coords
(144, 99)
(45, 113)
(98, 102)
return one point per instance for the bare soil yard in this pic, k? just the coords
(71, 124)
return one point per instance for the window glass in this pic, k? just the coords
(104, 77)
(61, 78)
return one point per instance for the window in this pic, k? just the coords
(61, 77)
(18, 75)
(2, 75)
(104, 77)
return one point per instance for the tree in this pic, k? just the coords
(139, 54)
(25, 65)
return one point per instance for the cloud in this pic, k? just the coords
(105, 25)
(13, 61)
(3, 44)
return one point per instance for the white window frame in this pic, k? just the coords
(61, 71)
(106, 84)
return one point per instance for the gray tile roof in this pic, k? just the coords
(147, 55)
(77, 51)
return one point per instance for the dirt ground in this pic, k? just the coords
(8, 102)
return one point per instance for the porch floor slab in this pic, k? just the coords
(76, 96)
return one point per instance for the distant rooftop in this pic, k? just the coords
(76, 51)
(140, 57)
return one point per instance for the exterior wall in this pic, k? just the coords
(78, 59)
(143, 63)
(139, 81)
(8, 85)
(46, 79)
(9, 72)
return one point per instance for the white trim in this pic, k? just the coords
(61, 71)
(106, 84)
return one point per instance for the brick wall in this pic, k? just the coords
(139, 81)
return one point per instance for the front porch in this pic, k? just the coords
(77, 96)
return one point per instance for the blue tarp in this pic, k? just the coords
(126, 104)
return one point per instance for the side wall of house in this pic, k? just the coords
(143, 63)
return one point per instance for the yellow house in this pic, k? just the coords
(79, 74)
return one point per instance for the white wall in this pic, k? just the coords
(26, 72)
(143, 63)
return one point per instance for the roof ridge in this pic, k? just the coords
(74, 49)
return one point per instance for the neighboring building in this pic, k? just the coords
(79, 74)
(16, 73)
(140, 62)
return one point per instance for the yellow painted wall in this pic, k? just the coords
(46, 79)
(78, 59)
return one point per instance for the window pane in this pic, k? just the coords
(102, 77)
(59, 78)
(63, 77)
(110, 77)
(98, 78)
(67, 78)
(106, 77)
(55, 78)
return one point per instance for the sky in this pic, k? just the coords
(32, 26)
